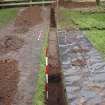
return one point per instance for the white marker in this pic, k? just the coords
(40, 33)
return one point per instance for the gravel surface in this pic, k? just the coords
(27, 57)
(83, 69)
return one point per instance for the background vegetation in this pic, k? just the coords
(7, 15)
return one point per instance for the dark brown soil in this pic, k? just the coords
(56, 94)
(28, 18)
(55, 78)
(52, 54)
(8, 81)
(10, 43)
(55, 85)
(53, 21)
(78, 4)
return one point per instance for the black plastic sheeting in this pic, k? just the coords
(85, 84)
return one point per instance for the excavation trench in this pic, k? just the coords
(55, 85)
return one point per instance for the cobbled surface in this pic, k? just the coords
(84, 82)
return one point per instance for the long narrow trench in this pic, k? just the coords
(55, 86)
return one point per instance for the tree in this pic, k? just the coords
(98, 2)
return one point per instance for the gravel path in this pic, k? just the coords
(27, 58)
(83, 69)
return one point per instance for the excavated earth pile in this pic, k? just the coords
(28, 18)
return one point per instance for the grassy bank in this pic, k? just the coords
(91, 20)
(39, 97)
(7, 15)
(83, 20)
(97, 38)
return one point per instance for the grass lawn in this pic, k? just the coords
(6, 15)
(39, 97)
(97, 38)
(86, 20)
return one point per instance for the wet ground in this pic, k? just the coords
(83, 69)
(22, 48)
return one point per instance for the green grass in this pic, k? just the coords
(96, 20)
(82, 19)
(39, 90)
(6, 15)
(97, 38)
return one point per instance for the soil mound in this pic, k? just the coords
(28, 18)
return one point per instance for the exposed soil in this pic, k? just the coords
(78, 4)
(55, 94)
(54, 78)
(53, 21)
(10, 43)
(55, 86)
(8, 81)
(28, 18)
